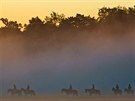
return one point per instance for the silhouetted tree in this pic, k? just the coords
(54, 19)
(110, 20)
(131, 15)
(79, 22)
(10, 26)
(36, 25)
(110, 15)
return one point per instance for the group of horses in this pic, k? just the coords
(70, 91)
(74, 92)
(21, 92)
(94, 91)
(118, 91)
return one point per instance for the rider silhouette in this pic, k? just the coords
(117, 87)
(93, 86)
(14, 86)
(28, 87)
(129, 86)
(70, 87)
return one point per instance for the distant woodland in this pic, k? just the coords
(117, 21)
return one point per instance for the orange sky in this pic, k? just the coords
(23, 10)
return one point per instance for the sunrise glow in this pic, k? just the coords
(23, 10)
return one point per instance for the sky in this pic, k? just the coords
(23, 10)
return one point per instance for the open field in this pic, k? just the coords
(107, 98)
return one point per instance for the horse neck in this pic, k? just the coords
(64, 89)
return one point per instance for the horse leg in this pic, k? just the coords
(25, 94)
(76, 94)
(90, 93)
(73, 94)
(120, 93)
(12, 94)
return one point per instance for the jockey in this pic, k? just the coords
(28, 87)
(93, 86)
(117, 86)
(14, 86)
(70, 87)
(129, 86)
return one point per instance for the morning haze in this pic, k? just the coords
(71, 54)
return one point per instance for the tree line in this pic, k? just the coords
(116, 20)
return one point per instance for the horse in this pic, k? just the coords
(117, 91)
(27, 92)
(129, 91)
(93, 91)
(73, 92)
(14, 92)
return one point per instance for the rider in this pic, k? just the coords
(129, 87)
(93, 86)
(28, 87)
(14, 86)
(70, 87)
(117, 86)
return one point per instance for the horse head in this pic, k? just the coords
(113, 89)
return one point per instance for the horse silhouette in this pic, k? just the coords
(70, 91)
(73, 92)
(93, 91)
(117, 90)
(14, 92)
(129, 90)
(28, 92)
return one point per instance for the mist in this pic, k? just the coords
(52, 54)
(80, 61)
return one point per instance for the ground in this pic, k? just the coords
(69, 98)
